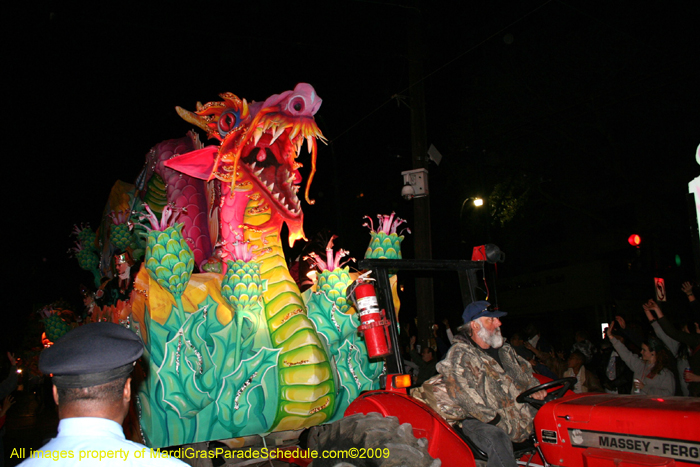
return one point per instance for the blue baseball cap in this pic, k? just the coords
(480, 309)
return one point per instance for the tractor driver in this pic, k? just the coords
(484, 375)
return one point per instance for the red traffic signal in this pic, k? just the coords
(634, 240)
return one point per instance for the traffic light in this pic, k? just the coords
(635, 240)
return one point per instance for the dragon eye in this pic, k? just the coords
(297, 104)
(227, 122)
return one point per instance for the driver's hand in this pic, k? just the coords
(539, 395)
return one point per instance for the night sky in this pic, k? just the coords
(580, 120)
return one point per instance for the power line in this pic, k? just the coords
(440, 68)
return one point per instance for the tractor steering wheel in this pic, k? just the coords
(565, 383)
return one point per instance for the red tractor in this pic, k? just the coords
(388, 427)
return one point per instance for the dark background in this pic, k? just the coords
(578, 120)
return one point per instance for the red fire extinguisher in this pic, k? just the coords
(374, 324)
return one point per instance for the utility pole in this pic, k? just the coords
(425, 309)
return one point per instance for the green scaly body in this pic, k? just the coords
(307, 389)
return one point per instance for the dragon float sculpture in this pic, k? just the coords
(234, 349)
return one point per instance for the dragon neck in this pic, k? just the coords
(248, 216)
(307, 388)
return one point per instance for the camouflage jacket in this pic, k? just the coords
(478, 385)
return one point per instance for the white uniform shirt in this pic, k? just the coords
(84, 441)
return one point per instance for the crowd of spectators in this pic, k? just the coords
(661, 359)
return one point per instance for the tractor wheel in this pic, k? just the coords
(372, 436)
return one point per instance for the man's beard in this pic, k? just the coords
(493, 339)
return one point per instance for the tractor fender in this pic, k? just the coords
(443, 441)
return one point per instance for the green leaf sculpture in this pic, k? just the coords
(356, 372)
(242, 287)
(187, 373)
(242, 402)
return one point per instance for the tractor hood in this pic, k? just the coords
(620, 426)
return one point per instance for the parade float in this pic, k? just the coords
(190, 257)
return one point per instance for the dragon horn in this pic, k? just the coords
(192, 118)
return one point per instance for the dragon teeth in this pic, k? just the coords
(257, 135)
(294, 132)
(257, 174)
(309, 143)
(277, 133)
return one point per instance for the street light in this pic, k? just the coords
(477, 201)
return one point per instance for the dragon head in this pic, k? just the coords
(260, 143)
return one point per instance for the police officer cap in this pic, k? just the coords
(90, 355)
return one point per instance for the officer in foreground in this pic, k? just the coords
(91, 367)
(484, 375)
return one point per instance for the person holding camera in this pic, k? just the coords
(652, 374)
(691, 339)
